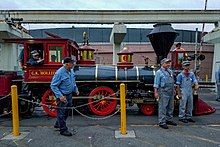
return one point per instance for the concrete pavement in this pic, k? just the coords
(100, 133)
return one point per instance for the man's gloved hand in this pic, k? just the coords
(40, 60)
(63, 99)
(196, 86)
(179, 95)
(77, 92)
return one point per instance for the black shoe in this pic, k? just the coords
(171, 123)
(66, 133)
(183, 120)
(164, 126)
(56, 126)
(191, 120)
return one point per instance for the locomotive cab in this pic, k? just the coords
(49, 52)
(37, 75)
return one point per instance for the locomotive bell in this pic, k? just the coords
(162, 38)
(86, 53)
(86, 56)
(125, 58)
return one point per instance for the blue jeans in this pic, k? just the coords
(166, 104)
(166, 107)
(62, 112)
(186, 105)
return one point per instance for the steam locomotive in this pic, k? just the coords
(98, 84)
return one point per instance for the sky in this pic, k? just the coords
(111, 5)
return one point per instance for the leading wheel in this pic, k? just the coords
(49, 103)
(147, 109)
(102, 101)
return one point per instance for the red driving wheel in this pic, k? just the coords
(102, 101)
(49, 103)
(147, 109)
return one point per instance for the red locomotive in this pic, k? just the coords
(98, 84)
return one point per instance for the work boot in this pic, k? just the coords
(66, 133)
(191, 120)
(164, 126)
(183, 120)
(171, 123)
(56, 126)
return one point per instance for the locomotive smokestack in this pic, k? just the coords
(162, 38)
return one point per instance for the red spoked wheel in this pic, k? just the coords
(102, 101)
(49, 103)
(147, 109)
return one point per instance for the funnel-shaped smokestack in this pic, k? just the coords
(162, 38)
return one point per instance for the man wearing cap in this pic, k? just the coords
(164, 91)
(63, 85)
(185, 81)
(35, 59)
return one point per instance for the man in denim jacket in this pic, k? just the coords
(63, 85)
(164, 91)
(185, 82)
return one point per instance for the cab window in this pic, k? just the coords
(37, 47)
(35, 54)
(55, 53)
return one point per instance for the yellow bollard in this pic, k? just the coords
(206, 78)
(123, 109)
(15, 116)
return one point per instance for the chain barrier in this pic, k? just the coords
(5, 96)
(75, 108)
(40, 104)
(7, 113)
(95, 118)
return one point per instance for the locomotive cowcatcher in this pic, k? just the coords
(98, 84)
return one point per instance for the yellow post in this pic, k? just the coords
(206, 78)
(123, 109)
(15, 116)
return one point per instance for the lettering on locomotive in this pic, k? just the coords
(42, 72)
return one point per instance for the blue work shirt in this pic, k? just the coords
(186, 82)
(161, 77)
(63, 82)
(31, 61)
(217, 76)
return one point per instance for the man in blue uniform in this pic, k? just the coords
(35, 59)
(164, 91)
(217, 78)
(185, 81)
(63, 85)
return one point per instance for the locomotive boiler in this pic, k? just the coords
(98, 84)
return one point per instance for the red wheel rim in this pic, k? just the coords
(102, 101)
(49, 103)
(147, 109)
